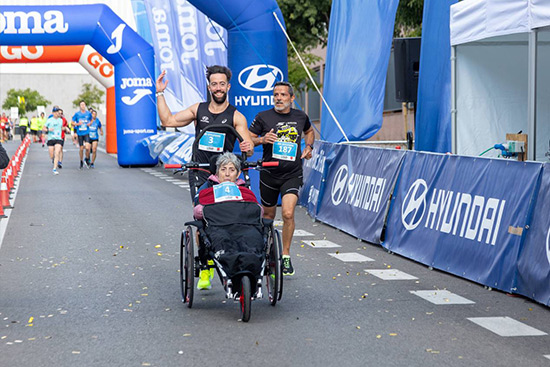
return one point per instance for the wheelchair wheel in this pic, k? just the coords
(279, 244)
(187, 265)
(273, 273)
(245, 298)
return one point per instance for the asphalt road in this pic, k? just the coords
(89, 277)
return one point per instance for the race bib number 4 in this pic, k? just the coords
(212, 142)
(226, 191)
(285, 151)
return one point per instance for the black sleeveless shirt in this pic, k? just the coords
(206, 118)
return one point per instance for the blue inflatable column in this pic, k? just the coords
(135, 109)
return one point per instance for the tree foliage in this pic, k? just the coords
(306, 22)
(91, 94)
(408, 20)
(31, 99)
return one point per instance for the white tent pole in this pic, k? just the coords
(453, 101)
(532, 96)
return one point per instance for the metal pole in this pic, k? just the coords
(532, 96)
(453, 101)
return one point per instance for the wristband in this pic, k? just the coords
(310, 145)
(161, 93)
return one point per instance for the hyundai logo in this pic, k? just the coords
(414, 205)
(260, 78)
(339, 185)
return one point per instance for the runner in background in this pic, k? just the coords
(41, 123)
(93, 128)
(80, 120)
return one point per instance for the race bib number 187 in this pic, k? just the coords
(285, 150)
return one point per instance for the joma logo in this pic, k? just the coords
(19, 22)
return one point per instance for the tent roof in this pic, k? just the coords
(473, 20)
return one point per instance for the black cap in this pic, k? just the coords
(55, 109)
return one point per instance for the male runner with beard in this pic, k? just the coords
(216, 112)
(280, 131)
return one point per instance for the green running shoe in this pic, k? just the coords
(287, 266)
(204, 280)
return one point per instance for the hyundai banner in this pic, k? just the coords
(357, 190)
(464, 215)
(534, 259)
(315, 170)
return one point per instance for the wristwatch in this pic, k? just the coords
(310, 145)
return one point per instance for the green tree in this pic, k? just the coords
(91, 94)
(26, 100)
(408, 20)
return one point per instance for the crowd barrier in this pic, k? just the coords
(487, 220)
(10, 174)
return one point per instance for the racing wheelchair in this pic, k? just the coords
(244, 249)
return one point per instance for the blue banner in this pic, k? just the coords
(315, 170)
(534, 260)
(358, 53)
(357, 190)
(433, 114)
(202, 43)
(167, 49)
(463, 215)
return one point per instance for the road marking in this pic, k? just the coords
(278, 223)
(442, 297)
(302, 233)
(172, 180)
(547, 356)
(321, 244)
(351, 257)
(390, 274)
(506, 326)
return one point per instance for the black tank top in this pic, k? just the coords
(206, 118)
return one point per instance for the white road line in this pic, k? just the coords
(547, 356)
(302, 233)
(442, 297)
(321, 244)
(506, 326)
(390, 274)
(351, 257)
(7, 212)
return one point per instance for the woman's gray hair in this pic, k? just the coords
(226, 158)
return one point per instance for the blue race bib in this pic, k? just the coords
(212, 142)
(226, 191)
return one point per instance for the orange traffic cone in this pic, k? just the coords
(4, 193)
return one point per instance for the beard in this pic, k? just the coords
(283, 107)
(219, 100)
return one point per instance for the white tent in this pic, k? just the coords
(501, 50)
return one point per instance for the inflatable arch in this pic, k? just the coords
(98, 26)
(102, 70)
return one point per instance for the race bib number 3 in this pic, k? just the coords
(212, 142)
(285, 151)
(226, 191)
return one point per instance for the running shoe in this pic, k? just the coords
(55, 172)
(212, 269)
(86, 163)
(92, 165)
(287, 266)
(59, 165)
(204, 280)
(81, 164)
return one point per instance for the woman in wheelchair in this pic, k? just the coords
(223, 186)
